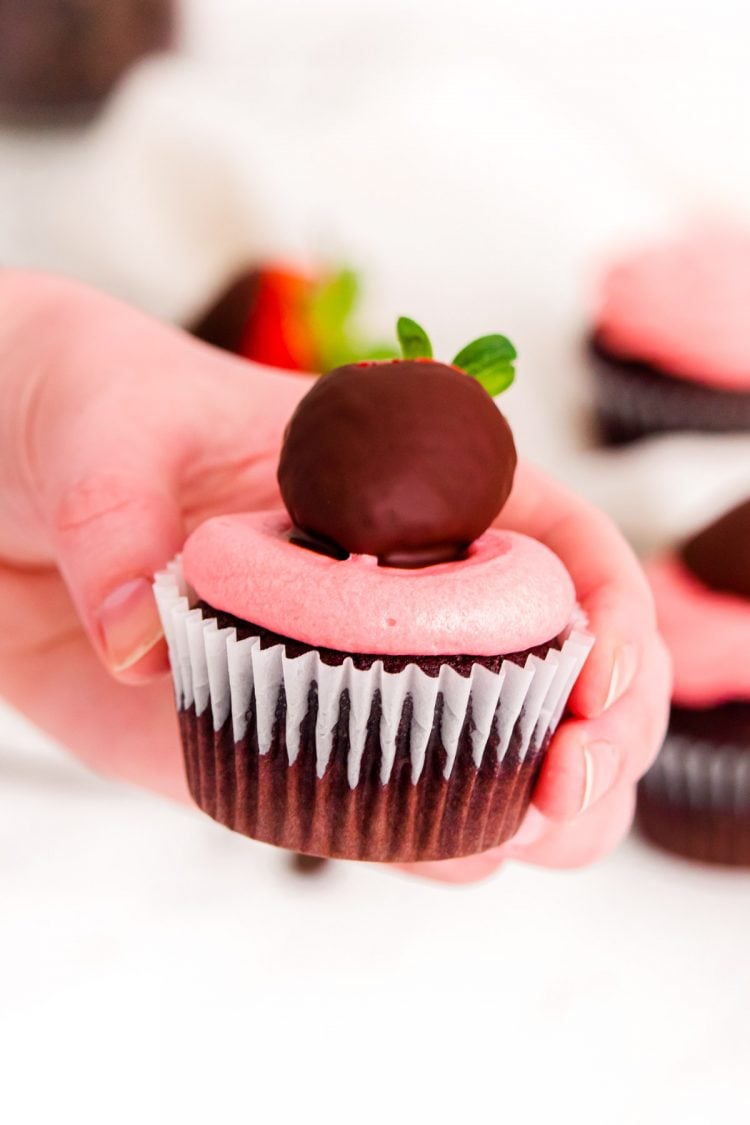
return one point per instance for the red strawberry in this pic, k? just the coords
(277, 331)
(284, 317)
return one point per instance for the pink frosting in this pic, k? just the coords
(684, 308)
(510, 594)
(707, 633)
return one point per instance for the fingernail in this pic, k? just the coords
(602, 767)
(624, 667)
(129, 624)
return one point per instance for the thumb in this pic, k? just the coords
(111, 532)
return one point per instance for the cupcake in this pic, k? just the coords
(695, 800)
(373, 672)
(282, 316)
(671, 339)
(60, 58)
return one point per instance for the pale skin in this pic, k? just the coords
(119, 435)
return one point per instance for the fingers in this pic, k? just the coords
(588, 758)
(621, 699)
(543, 843)
(587, 838)
(102, 478)
(111, 531)
(588, 780)
(609, 583)
(622, 696)
(129, 432)
(621, 619)
(469, 869)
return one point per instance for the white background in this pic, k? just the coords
(479, 161)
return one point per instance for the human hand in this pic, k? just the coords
(584, 799)
(118, 436)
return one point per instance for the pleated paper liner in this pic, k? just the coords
(359, 763)
(634, 400)
(695, 799)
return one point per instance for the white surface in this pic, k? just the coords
(157, 969)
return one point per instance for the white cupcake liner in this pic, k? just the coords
(212, 669)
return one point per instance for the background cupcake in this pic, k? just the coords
(60, 60)
(671, 339)
(695, 800)
(373, 674)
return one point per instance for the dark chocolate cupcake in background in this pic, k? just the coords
(695, 800)
(671, 339)
(282, 315)
(375, 673)
(59, 59)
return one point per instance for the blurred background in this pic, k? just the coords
(478, 165)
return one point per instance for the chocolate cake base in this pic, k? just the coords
(695, 799)
(634, 400)
(263, 796)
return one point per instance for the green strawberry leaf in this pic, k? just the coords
(330, 312)
(414, 341)
(333, 302)
(489, 360)
(330, 308)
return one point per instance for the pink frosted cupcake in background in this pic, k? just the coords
(375, 673)
(695, 800)
(671, 339)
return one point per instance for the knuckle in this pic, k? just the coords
(90, 498)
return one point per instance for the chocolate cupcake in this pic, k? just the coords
(671, 340)
(373, 674)
(695, 800)
(60, 58)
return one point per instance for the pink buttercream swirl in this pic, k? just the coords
(707, 634)
(510, 594)
(683, 308)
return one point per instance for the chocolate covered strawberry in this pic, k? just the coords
(284, 317)
(408, 460)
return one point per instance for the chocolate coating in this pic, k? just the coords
(720, 554)
(407, 460)
(62, 57)
(224, 323)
